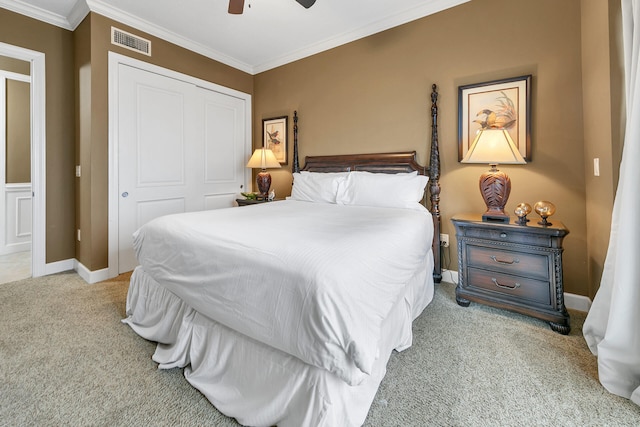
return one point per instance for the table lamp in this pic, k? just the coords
(263, 158)
(494, 146)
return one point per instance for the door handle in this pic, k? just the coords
(125, 194)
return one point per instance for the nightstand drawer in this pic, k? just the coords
(506, 235)
(508, 261)
(506, 284)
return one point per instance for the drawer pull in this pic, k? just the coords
(495, 282)
(499, 261)
(503, 235)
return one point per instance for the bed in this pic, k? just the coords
(286, 313)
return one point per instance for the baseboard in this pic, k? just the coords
(571, 301)
(73, 264)
(89, 276)
(577, 302)
(450, 276)
(59, 266)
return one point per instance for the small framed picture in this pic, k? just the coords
(274, 137)
(498, 104)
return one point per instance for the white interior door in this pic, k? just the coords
(223, 154)
(180, 149)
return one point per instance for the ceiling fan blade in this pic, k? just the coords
(306, 3)
(236, 7)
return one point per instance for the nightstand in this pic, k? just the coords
(511, 266)
(249, 202)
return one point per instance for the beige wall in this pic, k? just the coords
(57, 45)
(18, 132)
(15, 65)
(18, 136)
(82, 64)
(602, 78)
(373, 95)
(93, 120)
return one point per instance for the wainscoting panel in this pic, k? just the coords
(18, 203)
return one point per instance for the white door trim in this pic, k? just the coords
(115, 60)
(38, 152)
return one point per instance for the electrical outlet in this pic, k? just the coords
(444, 240)
(78, 234)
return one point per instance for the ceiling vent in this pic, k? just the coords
(129, 41)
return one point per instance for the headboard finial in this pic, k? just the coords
(296, 162)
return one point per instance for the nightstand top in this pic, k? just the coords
(556, 226)
(246, 202)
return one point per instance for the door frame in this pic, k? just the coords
(115, 60)
(38, 152)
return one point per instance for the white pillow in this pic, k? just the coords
(401, 190)
(316, 186)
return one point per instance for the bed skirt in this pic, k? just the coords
(250, 381)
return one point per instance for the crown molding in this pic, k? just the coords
(103, 9)
(78, 13)
(402, 17)
(83, 7)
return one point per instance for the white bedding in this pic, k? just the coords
(251, 381)
(314, 280)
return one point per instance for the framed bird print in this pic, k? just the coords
(498, 104)
(274, 137)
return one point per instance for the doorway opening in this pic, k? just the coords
(15, 170)
(32, 202)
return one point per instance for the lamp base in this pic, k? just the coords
(495, 187)
(263, 179)
(496, 217)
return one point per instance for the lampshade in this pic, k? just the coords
(263, 158)
(494, 146)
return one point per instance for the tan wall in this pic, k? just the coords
(57, 45)
(373, 95)
(94, 136)
(370, 95)
(602, 75)
(82, 64)
(18, 136)
(15, 65)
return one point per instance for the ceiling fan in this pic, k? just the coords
(237, 6)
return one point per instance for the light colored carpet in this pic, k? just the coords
(66, 359)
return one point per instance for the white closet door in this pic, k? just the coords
(180, 150)
(222, 155)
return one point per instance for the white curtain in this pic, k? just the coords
(612, 327)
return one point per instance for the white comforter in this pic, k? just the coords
(313, 280)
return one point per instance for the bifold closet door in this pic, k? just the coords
(180, 149)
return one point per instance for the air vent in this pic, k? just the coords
(129, 41)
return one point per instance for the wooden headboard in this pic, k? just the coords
(389, 163)
(377, 163)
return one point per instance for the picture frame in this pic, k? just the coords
(497, 104)
(275, 137)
